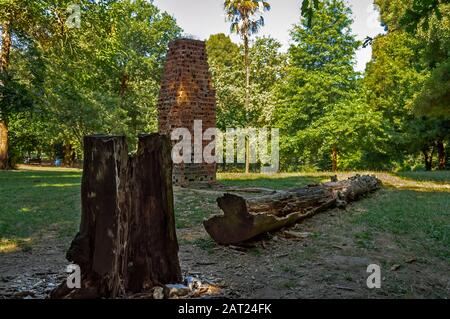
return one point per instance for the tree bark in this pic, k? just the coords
(152, 254)
(247, 155)
(441, 154)
(3, 145)
(247, 94)
(69, 154)
(334, 159)
(428, 158)
(4, 64)
(245, 219)
(123, 85)
(6, 46)
(127, 241)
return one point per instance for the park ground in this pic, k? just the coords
(404, 228)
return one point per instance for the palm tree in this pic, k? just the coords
(246, 19)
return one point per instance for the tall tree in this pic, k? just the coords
(434, 98)
(246, 19)
(320, 76)
(99, 76)
(4, 64)
(226, 65)
(399, 78)
(427, 21)
(268, 68)
(18, 30)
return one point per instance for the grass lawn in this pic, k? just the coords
(413, 206)
(37, 200)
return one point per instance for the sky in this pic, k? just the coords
(201, 18)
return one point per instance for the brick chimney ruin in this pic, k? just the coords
(186, 95)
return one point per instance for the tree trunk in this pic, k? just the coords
(334, 159)
(428, 159)
(69, 154)
(152, 254)
(441, 154)
(127, 241)
(6, 46)
(247, 155)
(245, 219)
(123, 85)
(247, 98)
(4, 64)
(3, 145)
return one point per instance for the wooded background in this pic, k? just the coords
(59, 84)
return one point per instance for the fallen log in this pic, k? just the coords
(127, 242)
(245, 219)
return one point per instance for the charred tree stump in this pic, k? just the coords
(152, 251)
(245, 219)
(127, 241)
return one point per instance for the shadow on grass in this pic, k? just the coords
(420, 220)
(275, 182)
(34, 203)
(435, 176)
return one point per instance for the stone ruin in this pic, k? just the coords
(186, 95)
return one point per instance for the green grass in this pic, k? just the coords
(191, 208)
(435, 176)
(414, 207)
(38, 201)
(419, 217)
(206, 244)
(277, 181)
(364, 239)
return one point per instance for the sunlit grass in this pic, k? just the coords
(13, 245)
(46, 169)
(8, 246)
(36, 200)
(57, 185)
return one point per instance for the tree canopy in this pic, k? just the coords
(60, 80)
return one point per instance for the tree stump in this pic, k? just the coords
(152, 251)
(127, 241)
(245, 219)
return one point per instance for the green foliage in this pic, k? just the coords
(125, 50)
(392, 78)
(349, 126)
(266, 69)
(63, 83)
(406, 81)
(308, 8)
(226, 66)
(428, 24)
(421, 12)
(320, 77)
(434, 99)
(101, 77)
(243, 15)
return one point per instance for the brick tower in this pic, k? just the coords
(186, 95)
